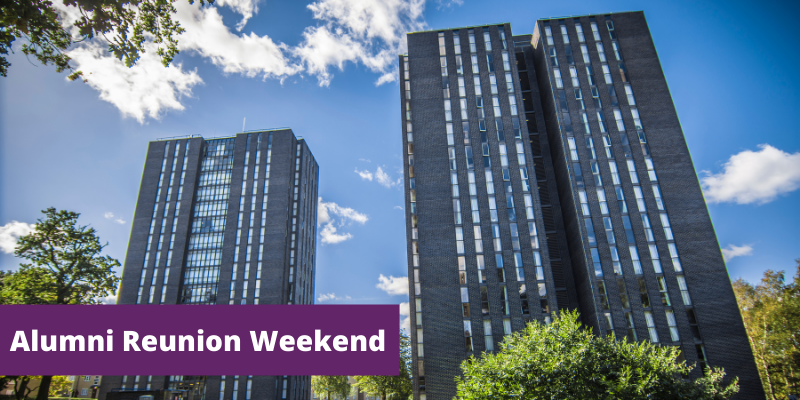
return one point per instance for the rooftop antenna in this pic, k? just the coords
(243, 121)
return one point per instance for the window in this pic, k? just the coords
(687, 300)
(549, 33)
(667, 228)
(657, 193)
(645, 298)
(474, 60)
(610, 25)
(472, 48)
(651, 326)
(84, 391)
(617, 54)
(564, 34)
(573, 148)
(456, 43)
(615, 261)
(465, 300)
(553, 57)
(673, 326)
(648, 230)
(478, 239)
(595, 31)
(612, 165)
(557, 75)
(601, 121)
(484, 301)
(637, 122)
(662, 288)
(632, 172)
(598, 267)
(487, 40)
(490, 62)
(601, 288)
(606, 74)
(637, 265)
(584, 202)
(623, 294)
(498, 246)
(601, 52)
(629, 93)
(481, 271)
(655, 259)
(487, 334)
(579, 30)
(573, 73)
(457, 211)
(651, 169)
(87, 378)
(609, 227)
(459, 240)
(631, 328)
(601, 199)
(509, 83)
(676, 261)
(506, 63)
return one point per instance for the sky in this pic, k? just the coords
(327, 69)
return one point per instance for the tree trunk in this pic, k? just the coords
(20, 386)
(44, 388)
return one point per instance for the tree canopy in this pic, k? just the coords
(771, 315)
(126, 25)
(327, 386)
(399, 386)
(65, 267)
(65, 264)
(564, 360)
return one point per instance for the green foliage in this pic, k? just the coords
(125, 24)
(65, 266)
(327, 386)
(771, 315)
(398, 387)
(59, 385)
(562, 360)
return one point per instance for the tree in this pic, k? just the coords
(21, 384)
(65, 268)
(385, 385)
(58, 385)
(563, 360)
(325, 386)
(130, 23)
(771, 315)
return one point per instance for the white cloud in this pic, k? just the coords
(365, 160)
(11, 232)
(371, 32)
(733, 251)
(366, 175)
(331, 217)
(245, 8)
(393, 286)
(380, 176)
(145, 90)
(110, 215)
(331, 296)
(405, 313)
(754, 177)
(398, 208)
(330, 236)
(449, 3)
(250, 55)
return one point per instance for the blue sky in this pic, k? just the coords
(314, 67)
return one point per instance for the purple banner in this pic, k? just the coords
(199, 340)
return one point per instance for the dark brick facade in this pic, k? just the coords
(293, 179)
(718, 338)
